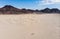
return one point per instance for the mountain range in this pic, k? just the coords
(8, 9)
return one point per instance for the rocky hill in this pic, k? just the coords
(47, 10)
(8, 9)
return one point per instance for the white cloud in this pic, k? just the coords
(45, 2)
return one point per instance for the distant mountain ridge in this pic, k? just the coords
(53, 10)
(8, 9)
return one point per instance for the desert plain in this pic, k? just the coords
(30, 26)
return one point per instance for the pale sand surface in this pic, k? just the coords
(30, 26)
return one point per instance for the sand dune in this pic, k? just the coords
(30, 26)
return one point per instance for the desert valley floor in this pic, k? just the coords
(30, 26)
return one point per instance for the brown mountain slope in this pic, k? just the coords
(8, 9)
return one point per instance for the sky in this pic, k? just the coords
(31, 4)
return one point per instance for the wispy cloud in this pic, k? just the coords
(46, 2)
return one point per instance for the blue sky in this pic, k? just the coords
(31, 4)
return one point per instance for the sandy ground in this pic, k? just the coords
(30, 26)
